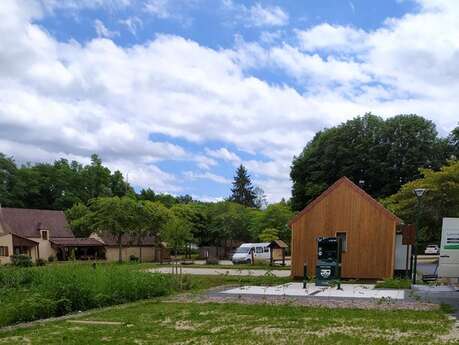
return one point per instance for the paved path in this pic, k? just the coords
(223, 271)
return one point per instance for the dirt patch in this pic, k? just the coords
(91, 322)
(307, 302)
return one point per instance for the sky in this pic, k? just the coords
(176, 94)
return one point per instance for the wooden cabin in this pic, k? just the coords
(366, 227)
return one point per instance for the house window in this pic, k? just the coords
(3, 251)
(44, 234)
(342, 236)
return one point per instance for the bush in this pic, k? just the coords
(21, 260)
(392, 283)
(32, 293)
(51, 258)
(40, 262)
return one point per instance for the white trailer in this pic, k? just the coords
(449, 249)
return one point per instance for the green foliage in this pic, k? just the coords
(177, 234)
(440, 200)
(229, 221)
(79, 220)
(242, 191)
(274, 216)
(20, 260)
(383, 153)
(196, 216)
(40, 262)
(32, 293)
(269, 235)
(393, 283)
(59, 185)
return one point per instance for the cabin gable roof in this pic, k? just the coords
(360, 191)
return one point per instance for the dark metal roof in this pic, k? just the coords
(28, 222)
(76, 242)
(126, 240)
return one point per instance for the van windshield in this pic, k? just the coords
(242, 250)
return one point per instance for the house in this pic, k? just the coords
(367, 229)
(39, 234)
(147, 247)
(42, 234)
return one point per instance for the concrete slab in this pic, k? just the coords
(296, 289)
(223, 271)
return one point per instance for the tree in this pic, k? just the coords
(275, 216)
(114, 215)
(177, 234)
(152, 217)
(243, 190)
(196, 216)
(260, 197)
(453, 141)
(383, 154)
(230, 221)
(78, 217)
(440, 200)
(269, 235)
(8, 176)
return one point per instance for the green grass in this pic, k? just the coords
(394, 283)
(28, 294)
(161, 322)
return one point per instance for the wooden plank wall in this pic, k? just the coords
(370, 235)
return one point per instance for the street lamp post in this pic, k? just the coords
(419, 192)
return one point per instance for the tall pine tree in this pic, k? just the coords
(243, 191)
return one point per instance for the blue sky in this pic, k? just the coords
(176, 94)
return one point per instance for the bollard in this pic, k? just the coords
(305, 275)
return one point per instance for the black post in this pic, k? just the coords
(338, 263)
(415, 254)
(305, 275)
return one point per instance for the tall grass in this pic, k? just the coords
(28, 294)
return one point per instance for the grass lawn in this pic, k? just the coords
(163, 322)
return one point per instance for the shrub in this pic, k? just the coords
(392, 283)
(21, 260)
(40, 262)
(51, 258)
(31, 293)
(133, 258)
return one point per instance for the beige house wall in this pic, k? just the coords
(111, 253)
(45, 249)
(6, 241)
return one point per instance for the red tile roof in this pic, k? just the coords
(28, 222)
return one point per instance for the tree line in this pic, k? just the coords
(96, 199)
(382, 155)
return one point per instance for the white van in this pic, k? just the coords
(247, 251)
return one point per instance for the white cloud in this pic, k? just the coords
(72, 99)
(191, 175)
(103, 31)
(132, 24)
(159, 8)
(257, 15)
(224, 154)
(332, 37)
(268, 16)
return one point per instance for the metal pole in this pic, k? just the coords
(415, 254)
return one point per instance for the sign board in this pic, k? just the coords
(408, 234)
